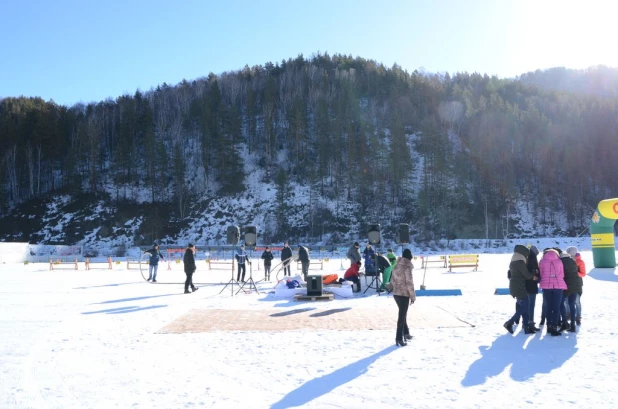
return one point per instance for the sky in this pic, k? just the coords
(74, 51)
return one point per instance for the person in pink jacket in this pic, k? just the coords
(552, 283)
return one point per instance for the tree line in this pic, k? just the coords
(457, 155)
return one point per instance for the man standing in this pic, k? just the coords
(354, 254)
(189, 262)
(267, 256)
(303, 256)
(286, 259)
(241, 258)
(153, 263)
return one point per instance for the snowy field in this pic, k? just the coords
(95, 339)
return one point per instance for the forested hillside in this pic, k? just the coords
(457, 156)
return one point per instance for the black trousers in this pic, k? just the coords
(189, 280)
(402, 323)
(287, 271)
(267, 271)
(241, 267)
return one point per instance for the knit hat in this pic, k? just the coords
(534, 250)
(356, 244)
(190, 245)
(407, 254)
(572, 251)
(523, 250)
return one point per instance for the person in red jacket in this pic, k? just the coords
(581, 271)
(352, 273)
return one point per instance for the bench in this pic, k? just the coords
(463, 260)
(220, 264)
(437, 259)
(139, 263)
(313, 264)
(88, 263)
(70, 263)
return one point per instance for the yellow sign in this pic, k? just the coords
(602, 240)
(463, 258)
(609, 208)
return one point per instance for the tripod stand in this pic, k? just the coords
(232, 281)
(250, 280)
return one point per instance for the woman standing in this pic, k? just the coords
(552, 283)
(404, 295)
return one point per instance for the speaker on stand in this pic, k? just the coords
(250, 241)
(374, 237)
(233, 234)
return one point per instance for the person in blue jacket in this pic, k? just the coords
(369, 255)
(241, 259)
(153, 263)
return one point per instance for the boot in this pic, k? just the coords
(532, 326)
(529, 330)
(553, 331)
(400, 342)
(407, 337)
(564, 326)
(187, 291)
(578, 320)
(542, 321)
(572, 328)
(194, 289)
(509, 326)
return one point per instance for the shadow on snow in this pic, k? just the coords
(526, 358)
(123, 310)
(317, 387)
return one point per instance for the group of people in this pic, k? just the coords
(267, 256)
(560, 275)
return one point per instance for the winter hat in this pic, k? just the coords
(356, 244)
(534, 250)
(190, 245)
(572, 251)
(523, 250)
(407, 254)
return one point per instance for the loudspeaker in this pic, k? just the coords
(250, 235)
(314, 285)
(373, 233)
(403, 234)
(233, 233)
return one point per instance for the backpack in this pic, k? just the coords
(292, 284)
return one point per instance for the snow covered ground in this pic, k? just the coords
(96, 339)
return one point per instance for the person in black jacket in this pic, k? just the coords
(267, 256)
(532, 285)
(286, 259)
(573, 282)
(153, 263)
(303, 256)
(519, 273)
(189, 262)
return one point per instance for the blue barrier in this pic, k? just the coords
(420, 293)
